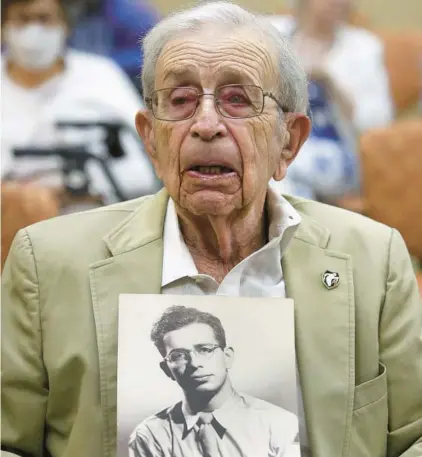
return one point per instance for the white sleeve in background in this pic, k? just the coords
(356, 63)
(98, 89)
(285, 24)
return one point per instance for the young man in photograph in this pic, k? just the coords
(213, 419)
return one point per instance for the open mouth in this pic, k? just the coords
(211, 170)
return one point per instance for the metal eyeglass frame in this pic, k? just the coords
(188, 352)
(148, 100)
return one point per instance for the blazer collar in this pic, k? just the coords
(309, 230)
(146, 224)
(143, 226)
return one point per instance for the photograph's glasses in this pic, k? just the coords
(183, 356)
(235, 101)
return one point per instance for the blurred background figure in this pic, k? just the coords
(349, 94)
(113, 28)
(44, 83)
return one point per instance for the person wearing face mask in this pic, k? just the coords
(45, 82)
(349, 94)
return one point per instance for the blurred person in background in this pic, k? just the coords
(113, 28)
(349, 93)
(44, 81)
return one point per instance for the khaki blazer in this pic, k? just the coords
(359, 346)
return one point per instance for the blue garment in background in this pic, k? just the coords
(326, 166)
(115, 32)
(324, 127)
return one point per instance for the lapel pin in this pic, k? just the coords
(330, 279)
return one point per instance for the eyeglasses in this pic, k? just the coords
(183, 356)
(235, 101)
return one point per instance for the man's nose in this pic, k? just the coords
(194, 360)
(207, 121)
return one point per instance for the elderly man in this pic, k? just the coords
(226, 100)
(213, 419)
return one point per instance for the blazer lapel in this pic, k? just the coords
(324, 319)
(136, 267)
(324, 337)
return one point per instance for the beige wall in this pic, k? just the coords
(394, 14)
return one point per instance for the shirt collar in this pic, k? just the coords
(281, 214)
(221, 415)
(177, 260)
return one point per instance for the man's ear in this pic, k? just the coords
(229, 354)
(298, 127)
(144, 128)
(166, 369)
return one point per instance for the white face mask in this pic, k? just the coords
(35, 46)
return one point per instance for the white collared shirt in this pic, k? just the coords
(258, 275)
(246, 427)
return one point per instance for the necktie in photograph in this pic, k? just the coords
(207, 436)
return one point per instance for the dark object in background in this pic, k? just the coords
(112, 130)
(75, 158)
(113, 28)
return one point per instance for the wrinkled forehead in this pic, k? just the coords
(212, 57)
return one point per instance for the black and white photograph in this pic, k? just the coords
(206, 376)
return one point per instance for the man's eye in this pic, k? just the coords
(177, 355)
(179, 101)
(205, 349)
(180, 97)
(237, 99)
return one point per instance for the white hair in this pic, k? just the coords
(293, 86)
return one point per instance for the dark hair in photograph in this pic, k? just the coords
(177, 317)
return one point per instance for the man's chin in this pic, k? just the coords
(202, 387)
(204, 390)
(210, 203)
